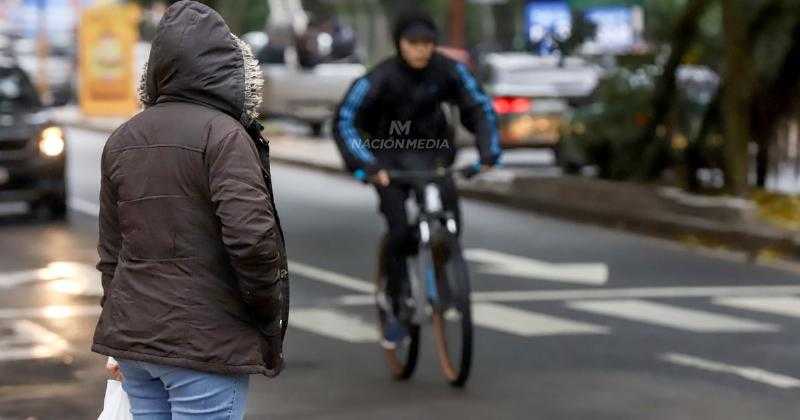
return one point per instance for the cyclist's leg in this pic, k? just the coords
(399, 236)
(450, 200)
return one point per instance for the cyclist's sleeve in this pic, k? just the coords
(358, 101)
(477, 115)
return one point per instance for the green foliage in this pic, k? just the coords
(241, 15)
(779, 209)
(604, 133)
(661, 19)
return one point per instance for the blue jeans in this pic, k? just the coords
(160, 392)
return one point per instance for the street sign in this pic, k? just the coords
(108, 37)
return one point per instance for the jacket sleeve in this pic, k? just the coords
(249, 231)
(109, 238)
(477, 115)
(359, 101)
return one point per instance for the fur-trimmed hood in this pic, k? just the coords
(195, 58)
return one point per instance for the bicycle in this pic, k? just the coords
(440, 283)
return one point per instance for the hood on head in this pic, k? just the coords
(195, 58)
(411, 19)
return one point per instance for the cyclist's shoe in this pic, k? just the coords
(394, 333)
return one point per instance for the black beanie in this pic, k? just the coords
(414, 20)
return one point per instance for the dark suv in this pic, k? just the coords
(32, 150)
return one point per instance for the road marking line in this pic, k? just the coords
(493, 262)
(51, 312)
(618, 293)
(16, 278)
(671, 316)
(84, 206)
(752, 373)
(526, 323)
(330, 277)
(30, 341)
(334, 324)
(63, 276)
(355, 300)
(778, 305)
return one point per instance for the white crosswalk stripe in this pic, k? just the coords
(526, 323)
(671, 316)
(333, 324)
(29, 340)
(51, 312)
(777, 305)
(489, 308)
(748, 372)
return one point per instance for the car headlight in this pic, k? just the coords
(51, 142)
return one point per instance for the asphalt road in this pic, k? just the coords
(574, 321)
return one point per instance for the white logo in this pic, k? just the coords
(400, 127)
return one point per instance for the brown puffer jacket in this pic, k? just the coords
(191, 252)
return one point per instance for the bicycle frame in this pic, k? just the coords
(430, 220)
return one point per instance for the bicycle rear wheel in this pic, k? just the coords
(452, 315)
(401, 360)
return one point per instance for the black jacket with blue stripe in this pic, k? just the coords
(393, 117)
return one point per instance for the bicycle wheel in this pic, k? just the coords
(401, 360)
(452, 316)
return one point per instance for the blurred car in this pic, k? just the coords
(308, 95)
(531, 94)
(601, 134)
(59, 65)
(32, 150)
(306, 80)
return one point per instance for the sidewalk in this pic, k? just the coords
(717, 222)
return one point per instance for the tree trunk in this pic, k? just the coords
(777, 101)
(736, 98)
(760, 115)
(685, 33)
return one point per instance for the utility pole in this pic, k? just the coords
(42, 47)
(456, 24)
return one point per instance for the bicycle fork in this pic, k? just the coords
(423, 281)
(424, 287)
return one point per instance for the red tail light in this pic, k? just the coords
(512, 105)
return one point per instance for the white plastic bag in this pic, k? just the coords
(116, 405)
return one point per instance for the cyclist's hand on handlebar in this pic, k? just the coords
(381, 178)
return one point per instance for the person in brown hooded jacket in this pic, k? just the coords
(192, 255)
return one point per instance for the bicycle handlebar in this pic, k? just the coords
(467, 172)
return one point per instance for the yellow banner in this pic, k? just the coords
(107, 45)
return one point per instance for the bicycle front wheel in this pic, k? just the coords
(452, 315)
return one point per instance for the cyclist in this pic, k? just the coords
(392, 119)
